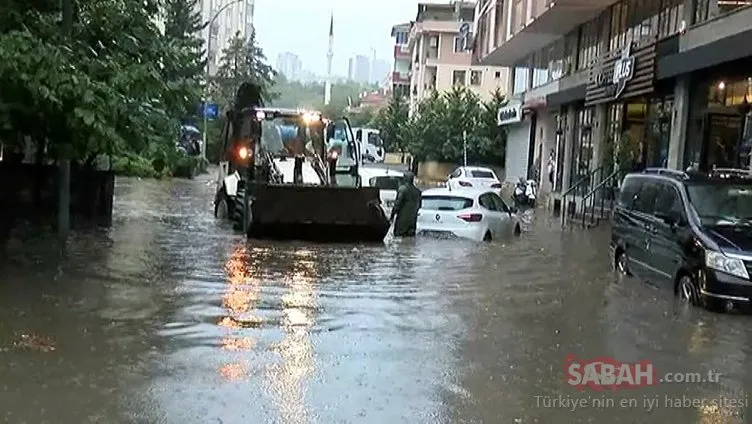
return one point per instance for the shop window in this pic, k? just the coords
(582, 156)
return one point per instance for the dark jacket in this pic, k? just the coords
(406, 210)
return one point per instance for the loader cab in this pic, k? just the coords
(344, 153)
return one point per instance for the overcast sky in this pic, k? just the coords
(302, 27)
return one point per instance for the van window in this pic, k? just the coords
(669, 201)
(629, 190)
(647, 196)
(386, 183)
(445, 203)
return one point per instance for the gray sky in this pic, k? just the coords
(302, 27)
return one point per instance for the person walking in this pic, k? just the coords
(406, 206)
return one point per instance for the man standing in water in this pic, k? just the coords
(405, 210)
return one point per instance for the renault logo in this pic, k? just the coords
(438, 217)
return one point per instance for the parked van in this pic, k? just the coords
(688, 231)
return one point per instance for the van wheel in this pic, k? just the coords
(221, 206)
(517, 230)
(686, 290)
(621, 264)
(487, 237)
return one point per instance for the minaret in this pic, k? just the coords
(329, 56)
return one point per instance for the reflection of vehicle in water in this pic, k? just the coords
(281, 180)
(371, 144)
(387, 181)
(688, 231)
(190, 140)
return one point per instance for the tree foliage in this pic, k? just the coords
(118, 85)
(242, 61)
(442, 123)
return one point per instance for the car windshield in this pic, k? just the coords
(482, 174)
(375, 139)
(445, 203)
(386, 183)
(722, 204)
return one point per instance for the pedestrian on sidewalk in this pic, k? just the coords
(406, 206)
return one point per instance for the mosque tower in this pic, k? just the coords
(329, 56)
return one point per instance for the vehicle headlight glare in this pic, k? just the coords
(720, 262)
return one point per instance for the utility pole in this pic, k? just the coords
(64, 170)
(464, 147)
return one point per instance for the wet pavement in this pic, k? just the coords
(170, 317)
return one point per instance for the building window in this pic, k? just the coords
(497, 74)
(589, 46)
(476, 78)
(401, 38)
(458, 78)
(521, 74)
(459, 45)
(432, 51)
(707, 9)
(540, 67)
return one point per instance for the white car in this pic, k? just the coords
(473, 176)
(388, 182)
(476, 214)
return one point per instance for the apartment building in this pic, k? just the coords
(227, 17)
(440, 57)
(402, 60)
(674, 76)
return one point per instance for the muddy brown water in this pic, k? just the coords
(170, 317)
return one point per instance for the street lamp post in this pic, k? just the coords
(206, 72)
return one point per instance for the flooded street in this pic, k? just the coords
(170, 317)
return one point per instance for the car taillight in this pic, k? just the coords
(465, 184)
(470, 217)
(244, 153)
(496, 185)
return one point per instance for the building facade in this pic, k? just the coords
(440, 58)
(668, 80)
(234, 18)
(289, 65)
(402, 61)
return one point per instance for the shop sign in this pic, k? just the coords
(623, 70)
(510, 114)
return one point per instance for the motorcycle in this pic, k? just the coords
(525, 193)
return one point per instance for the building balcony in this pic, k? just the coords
(419, 28)
(555, 21)
(401, 51)
(400, 78)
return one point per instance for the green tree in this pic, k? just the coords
(392, 121)
(185, 72)
(242, 61)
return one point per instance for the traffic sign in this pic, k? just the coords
(464, 29)
(210, 110)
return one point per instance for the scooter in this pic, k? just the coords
(525, 193)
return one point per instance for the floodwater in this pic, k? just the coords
(169, 317)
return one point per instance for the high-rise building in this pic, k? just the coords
(226, 19)
(379, 71)
(289, 65)
(360, 69)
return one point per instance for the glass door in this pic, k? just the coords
(583, 149)
(561, 137)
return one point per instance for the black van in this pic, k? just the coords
(689, 231)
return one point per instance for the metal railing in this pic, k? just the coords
(581, 187)
(605, 193)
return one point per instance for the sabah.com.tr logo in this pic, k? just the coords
(608, 373)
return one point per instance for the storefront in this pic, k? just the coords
(636, 113)
(518, 126)
(719, 128)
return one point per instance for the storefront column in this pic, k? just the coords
(679, 117)
(569, 140)
(599, 135)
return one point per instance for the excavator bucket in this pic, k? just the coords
(317, 213)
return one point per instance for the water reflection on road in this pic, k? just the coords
(169, 317)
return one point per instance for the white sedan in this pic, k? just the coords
(473, 176)
(476, 214)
